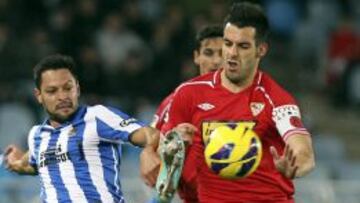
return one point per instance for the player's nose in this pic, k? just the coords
(218, 61)
(232, 51)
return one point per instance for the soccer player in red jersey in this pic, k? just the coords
(208, 57)
(241, 94)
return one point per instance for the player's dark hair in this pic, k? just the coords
(246, 14)
(210, 31)
(53, 62)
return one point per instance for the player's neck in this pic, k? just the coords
(235, 87)
(54, 124)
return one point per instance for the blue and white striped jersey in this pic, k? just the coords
(79, 161)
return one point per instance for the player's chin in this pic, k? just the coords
(65, 110)
(234, 77)
(64, 114)
(213, 69)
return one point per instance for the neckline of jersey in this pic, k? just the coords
(45, 126)
(218, 84)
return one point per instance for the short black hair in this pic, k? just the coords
(246, 14)
(53, 62)
(210, 31)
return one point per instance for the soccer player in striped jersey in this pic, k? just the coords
(76, 152)
(239, 93)
(207, 55)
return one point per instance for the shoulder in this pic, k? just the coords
(164, 104)
(32, 137)
(96, 110)
(275, 93)
(102, 111)
(167, 100)
(33, 131)
(100, 108)
(198, 83)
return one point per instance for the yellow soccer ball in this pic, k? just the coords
(233, 153)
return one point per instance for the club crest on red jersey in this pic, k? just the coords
(256, 108)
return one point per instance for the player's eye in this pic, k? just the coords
(50, 91)
(208, 52)
(244, 45)
(68, 88)
(227, 43)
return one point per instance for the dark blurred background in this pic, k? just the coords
(132, 53)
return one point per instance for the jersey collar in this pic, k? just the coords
(78, 115)
(256, 81)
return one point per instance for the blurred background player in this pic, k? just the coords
(240, 94)
(207, 55)
(76, 151)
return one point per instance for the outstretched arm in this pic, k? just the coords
(17, 161)
(145, 137)
(148, 138)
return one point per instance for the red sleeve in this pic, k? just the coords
(285, 112)
(160, 116)
(179, 111)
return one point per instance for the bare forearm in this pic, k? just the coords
(303, 151)
(152, 138)
(306, 163)
(146, 137)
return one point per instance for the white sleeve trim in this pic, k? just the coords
(298, 131)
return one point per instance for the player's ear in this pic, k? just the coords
(262, 49)
(196, 56)
(78, 88)
(37, 94)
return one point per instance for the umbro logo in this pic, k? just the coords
(206, 106)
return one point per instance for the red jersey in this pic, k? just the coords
(266, 106)
(161, 114)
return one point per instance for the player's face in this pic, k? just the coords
(241, 54)
(209, 56)
(59, 93)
